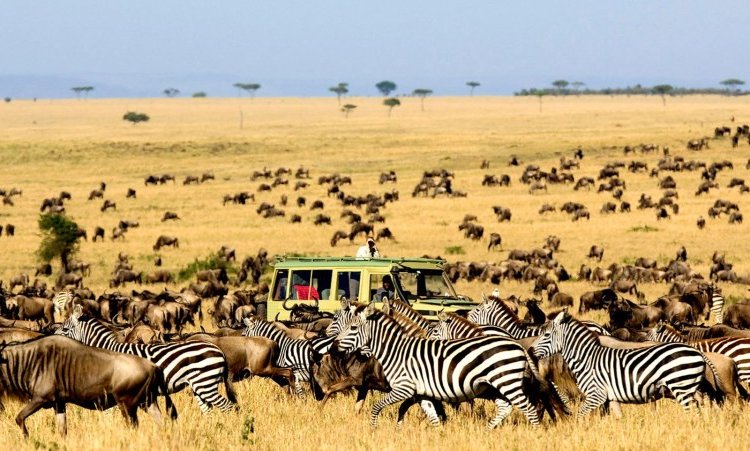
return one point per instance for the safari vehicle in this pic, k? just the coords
(324, 281)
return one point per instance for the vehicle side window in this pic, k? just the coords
(320, 287)
(300, 284)
(279, 291)
(348, 285)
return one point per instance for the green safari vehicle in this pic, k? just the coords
(324, 281)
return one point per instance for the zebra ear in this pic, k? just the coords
(442, 315)
(77, 311)
(386, 308)
(345, 303)
(370, 310)
(561, 317)
(247, 321)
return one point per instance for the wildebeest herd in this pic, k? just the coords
(540, 363)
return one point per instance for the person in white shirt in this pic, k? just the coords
(368, 250)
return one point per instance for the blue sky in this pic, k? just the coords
(291, 47)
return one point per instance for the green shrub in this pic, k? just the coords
(455, 250)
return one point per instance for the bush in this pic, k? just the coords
(213, 261)
(132, 116)
(455, 250)
(199, 94)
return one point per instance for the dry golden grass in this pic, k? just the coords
(48, 146)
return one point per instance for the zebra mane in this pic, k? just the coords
(464, 322)
(504, 307)
(409, 327)
(577, 325)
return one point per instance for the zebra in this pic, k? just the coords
(199, 365)
(736, 348)
(497, 313)
(454, 370)
(294, 354)
(610, 375)
(61, 301)
(452, 325)
(717, 305)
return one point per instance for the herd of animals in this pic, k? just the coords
(539, 363)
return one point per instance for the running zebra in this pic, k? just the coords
(736, 348)
(199, 365)
(456, 370)
(61, 302)
(621, 375)
(294, 354)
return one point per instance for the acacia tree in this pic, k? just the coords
(422, 93)
(732, 84)
(85, 90)
(340, 89)
(346, 109)
(386, 87)
(662, 90)
(135, 118)
(171, 92)
(472, 85)
(60, 238)
(577, 85)
(390, 103)
(250, 88)
(560, 85)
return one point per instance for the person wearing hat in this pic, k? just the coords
(368, 250)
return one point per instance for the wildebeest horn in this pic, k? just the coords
(277, 317)
(316, 303)
(284, 305)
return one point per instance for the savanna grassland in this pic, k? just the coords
(49, 146)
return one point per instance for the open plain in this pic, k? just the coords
(50, 146)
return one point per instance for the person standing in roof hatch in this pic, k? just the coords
(368, 250)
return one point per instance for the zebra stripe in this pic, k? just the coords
(199, 365)
(621, 375)
(736, 348)
(717, 306)
(294, 354)
(61, 300)
(455, 370)
(451, 326)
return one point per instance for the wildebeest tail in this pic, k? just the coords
(541, 393)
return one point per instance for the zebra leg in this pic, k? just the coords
(396, 394)
(298, 378)
(503, 410)
(512, 395)
(593, 401)
(403, 408)
(208, 396)
(429, 409)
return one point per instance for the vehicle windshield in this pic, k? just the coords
(423, 283)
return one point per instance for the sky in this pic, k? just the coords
(302, 47)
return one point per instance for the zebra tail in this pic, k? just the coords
(164, 391)
(231, 395)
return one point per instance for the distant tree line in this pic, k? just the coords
(565, 88)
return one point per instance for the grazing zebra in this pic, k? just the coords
(61, 301)
(496, 313)
(199, 365)
(294, 354)
(736, 348)
(455, 370)
(451, 325)
(717, 305)
(621, 375)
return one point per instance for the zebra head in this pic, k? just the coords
(551, 341)
(664, 333)
(356, 335)
(341, 318)
(441, 330)
(479, 314)
(73, 326)
(251, 326)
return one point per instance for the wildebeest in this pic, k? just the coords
(123, 276)
(320, 219)
(108, 204)
(596, 252)
(495, 241)
(169, 215)
(600, 299)
(131, 194)
(165, 240)
(53, 371)
(159, 276)
(335, 372)
(98, 233)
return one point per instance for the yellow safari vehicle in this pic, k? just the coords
(324, 281)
